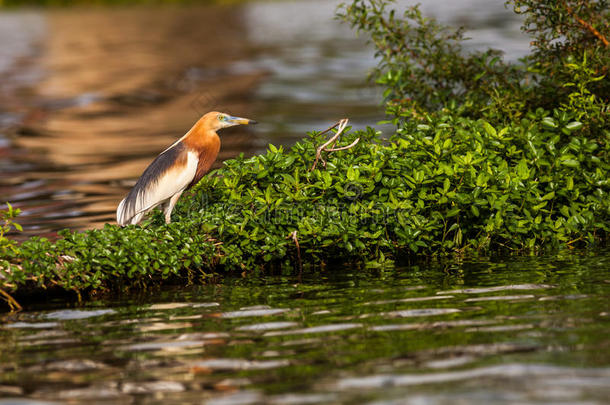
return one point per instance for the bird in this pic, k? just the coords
(176, 169)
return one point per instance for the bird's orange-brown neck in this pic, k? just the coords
(202, 138)
(204, 141)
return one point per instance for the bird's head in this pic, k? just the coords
(217, 120)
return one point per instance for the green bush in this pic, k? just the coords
(451, 184)
(424, 68)
(476, 164)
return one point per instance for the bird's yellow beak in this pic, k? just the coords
(241, 121)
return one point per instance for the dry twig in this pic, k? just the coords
(333, 140)
(588, 26)
(293, 235)
(12, 303)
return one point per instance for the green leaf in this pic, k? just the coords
(446, 185)
(482, 179)
(574, 126)
(491, 131)
(353, 174)
(549, 122)
(453, 212)
(522, 170)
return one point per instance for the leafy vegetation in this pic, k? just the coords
(424, 68)
(486, 156)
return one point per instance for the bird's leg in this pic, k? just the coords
(170, 207)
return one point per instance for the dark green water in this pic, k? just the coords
(518, 331)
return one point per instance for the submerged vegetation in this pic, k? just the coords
(486, 156)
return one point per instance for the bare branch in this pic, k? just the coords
(351, 145)
(12, 303)
(333, 140)
(588, 26)
(293, 236)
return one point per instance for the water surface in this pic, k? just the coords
(510, 331)
(89, 96)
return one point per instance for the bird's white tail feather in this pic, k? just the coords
(121, 214)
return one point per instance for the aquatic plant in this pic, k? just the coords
(480, 160)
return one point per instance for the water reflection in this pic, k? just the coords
(89, 96)
(340, 338)
(119, 86)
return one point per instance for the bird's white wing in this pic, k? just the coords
(170, 173)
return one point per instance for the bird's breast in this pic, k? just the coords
(206, 148)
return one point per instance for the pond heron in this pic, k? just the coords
(176, 169)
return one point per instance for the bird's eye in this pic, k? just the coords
(222, 118)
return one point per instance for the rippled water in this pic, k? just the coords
(520, 331)
(88, 97)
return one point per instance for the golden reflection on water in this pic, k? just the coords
(119, 86)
